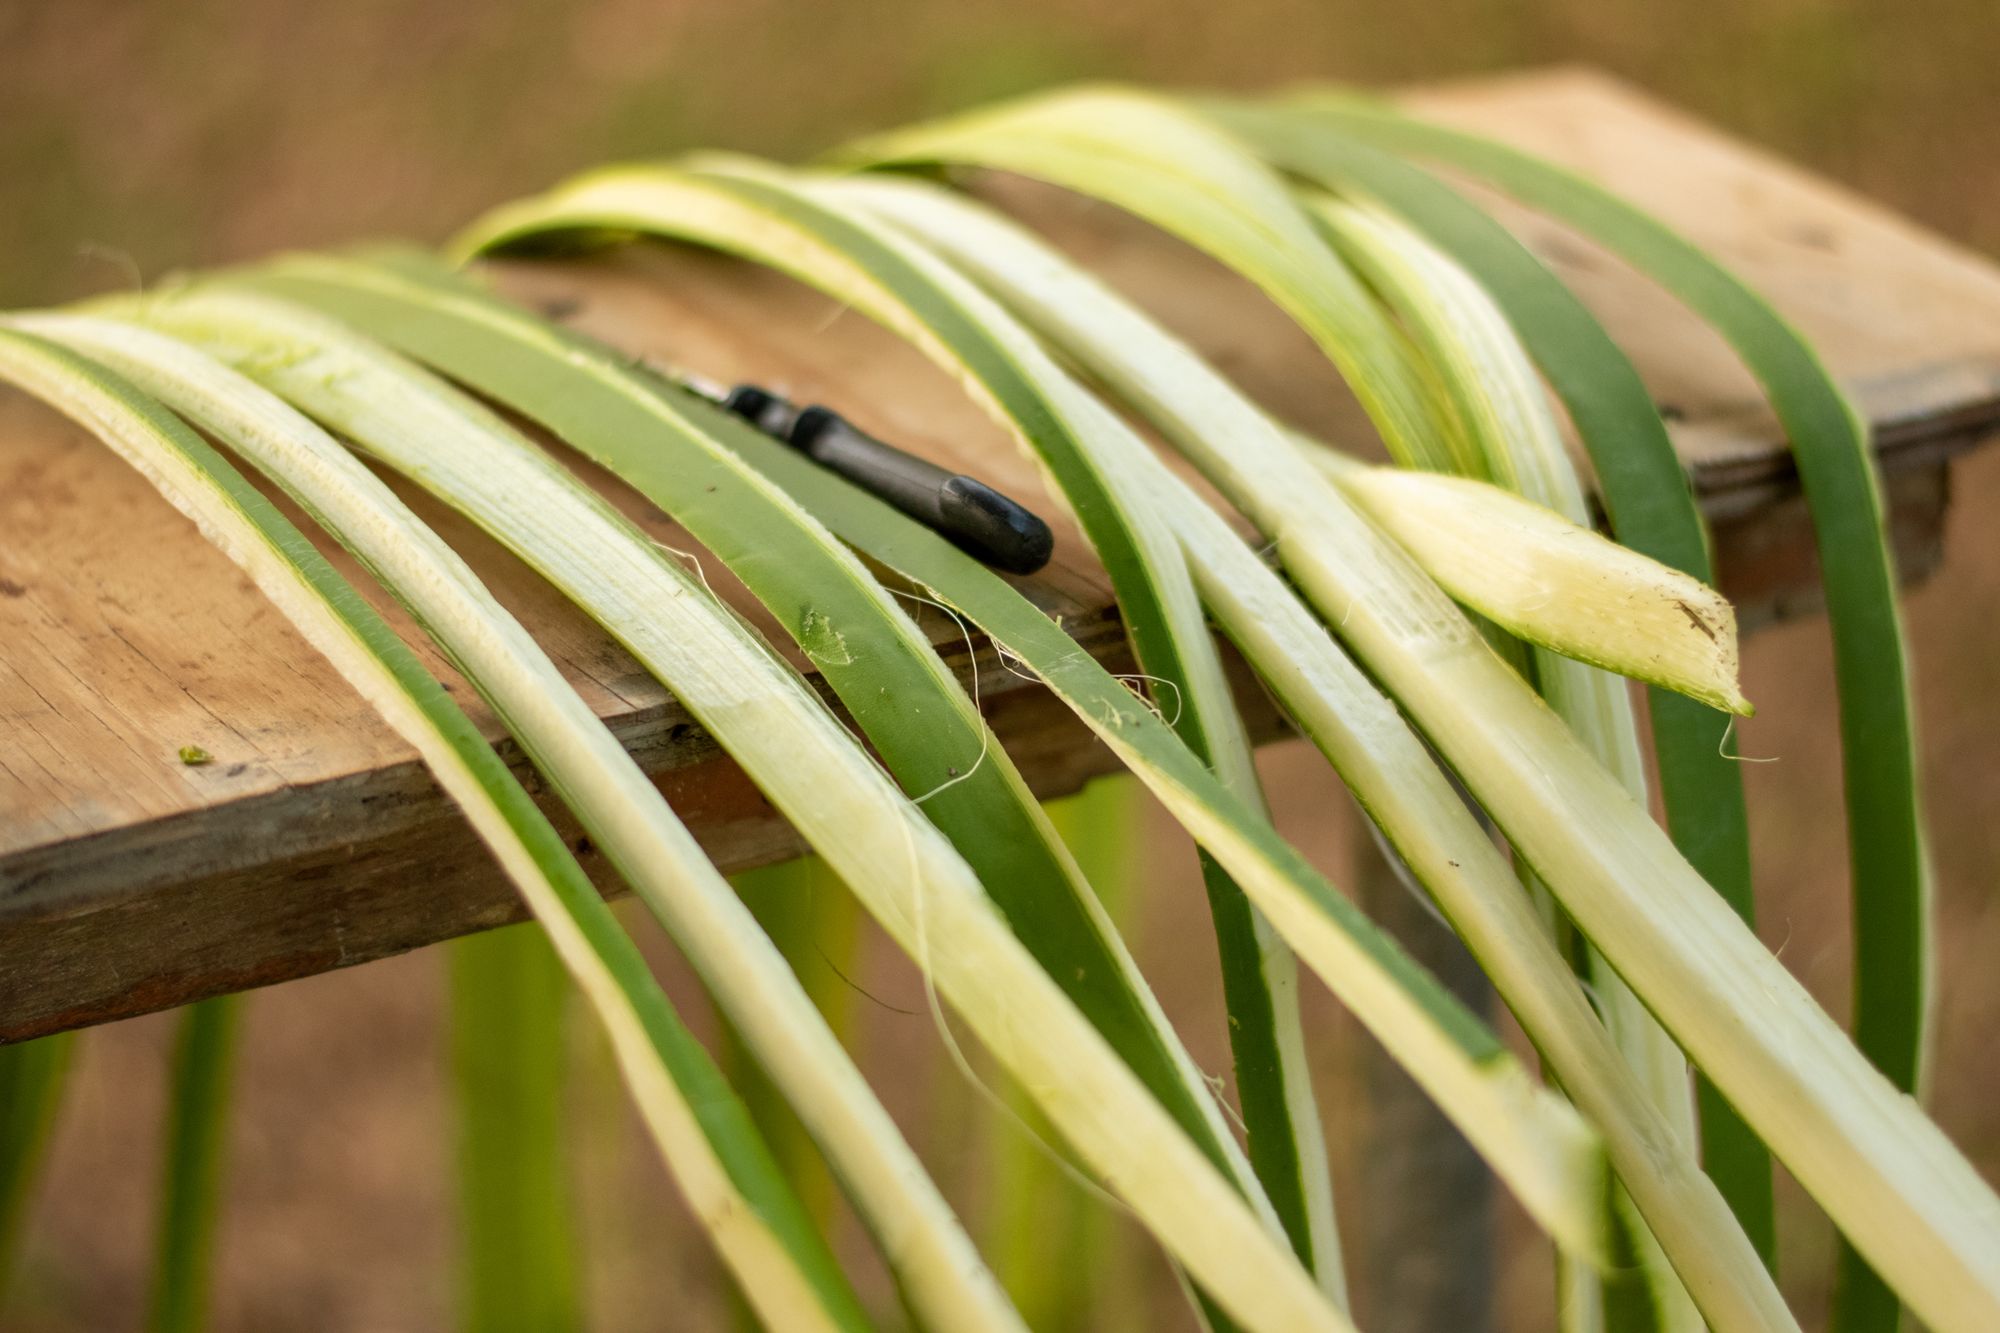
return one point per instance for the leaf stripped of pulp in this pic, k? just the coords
(1383, 761)
(907, 702)
(620, 808)
(760, 711)
(1891, 1180)
(1651, 509)
(1530, 1139)
(1885, 839)
(1550, 581)
(707, 1139)
(1173, 645)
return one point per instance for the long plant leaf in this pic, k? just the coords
(750, 211)
(1651, 510)
(1890, 874)
(702, 1130)
(1892, 1182)
(813, 771)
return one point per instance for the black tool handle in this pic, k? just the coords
(972, 515)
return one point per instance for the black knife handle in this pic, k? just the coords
(966, 511)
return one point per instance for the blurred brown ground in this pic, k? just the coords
(137, 138)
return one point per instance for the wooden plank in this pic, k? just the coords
(129, 881)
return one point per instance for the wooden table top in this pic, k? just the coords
(130, 881)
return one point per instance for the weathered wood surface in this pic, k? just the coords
(130, 882)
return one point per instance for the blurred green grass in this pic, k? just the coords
(207, 130)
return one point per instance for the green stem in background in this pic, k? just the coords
(1102, 827)
(32, 1075)
(197, 1134)
(700, 1128)
(1890, 875)
(1651, 510)
(518, 1269)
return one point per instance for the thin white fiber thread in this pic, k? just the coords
(1218, 1086)
(692, 559)
(1722, 748)
(1008, 657)
(972, 654)
(1128, 677)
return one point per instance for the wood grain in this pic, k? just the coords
(130, 881)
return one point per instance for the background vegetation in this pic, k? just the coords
(136, 138)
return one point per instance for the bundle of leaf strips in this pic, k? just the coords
(1163, 165)
(948, 851)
